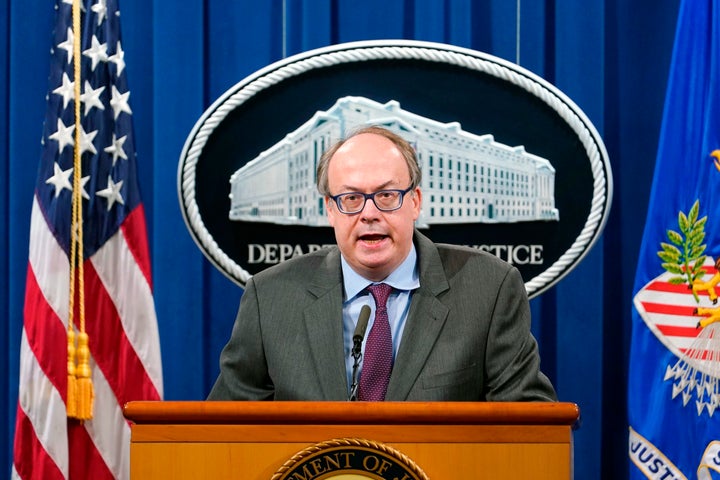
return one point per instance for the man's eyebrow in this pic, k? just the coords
(350, 188)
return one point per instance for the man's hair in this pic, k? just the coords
(407, 151)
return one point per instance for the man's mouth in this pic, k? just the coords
(372, 238)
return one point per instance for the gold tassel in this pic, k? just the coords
(85, 392)
(71, 401)
(80, 388)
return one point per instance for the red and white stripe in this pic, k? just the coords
(124, 346)
(667, 310)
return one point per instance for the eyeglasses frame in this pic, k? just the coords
(371, 196)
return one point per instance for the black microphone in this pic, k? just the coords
(358, 337)
(360, 328)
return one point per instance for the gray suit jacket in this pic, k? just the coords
(467, 335)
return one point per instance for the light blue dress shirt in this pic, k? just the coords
(404, 279)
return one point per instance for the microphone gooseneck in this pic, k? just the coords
(358, 337)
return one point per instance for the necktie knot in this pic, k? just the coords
(380, 292)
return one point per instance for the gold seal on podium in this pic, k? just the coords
(349, 459)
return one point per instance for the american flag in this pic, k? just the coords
(119, 311)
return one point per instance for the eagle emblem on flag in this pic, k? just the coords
(680, 307)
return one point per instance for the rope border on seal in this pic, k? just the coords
(593, 147)
(350, 442)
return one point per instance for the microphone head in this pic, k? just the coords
(362, 323)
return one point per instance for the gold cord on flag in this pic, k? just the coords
(80, 393)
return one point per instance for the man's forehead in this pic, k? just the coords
(367, 141)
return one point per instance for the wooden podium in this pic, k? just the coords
(256, 440)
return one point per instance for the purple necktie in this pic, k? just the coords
(378, 356)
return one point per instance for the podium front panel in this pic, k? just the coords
(254, 446)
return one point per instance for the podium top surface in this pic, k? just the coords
(400, 413)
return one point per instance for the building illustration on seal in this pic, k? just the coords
(466, 178)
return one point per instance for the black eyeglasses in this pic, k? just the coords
(384, 200)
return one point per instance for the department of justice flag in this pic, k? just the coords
(674, 371)
(119, 310)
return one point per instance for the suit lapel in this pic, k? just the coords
(323, 322)
(425, 321)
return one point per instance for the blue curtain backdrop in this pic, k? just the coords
(610, 57)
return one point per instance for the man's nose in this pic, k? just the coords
(370, 210)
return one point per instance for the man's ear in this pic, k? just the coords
(330, 210)
(416, 198)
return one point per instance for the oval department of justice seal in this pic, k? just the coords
(510, 164)
(349, 459)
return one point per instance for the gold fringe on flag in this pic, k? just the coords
(80, 393)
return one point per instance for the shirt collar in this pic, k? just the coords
(404, 277)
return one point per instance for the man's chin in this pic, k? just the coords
(375, 267)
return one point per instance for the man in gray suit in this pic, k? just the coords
(456, 323)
